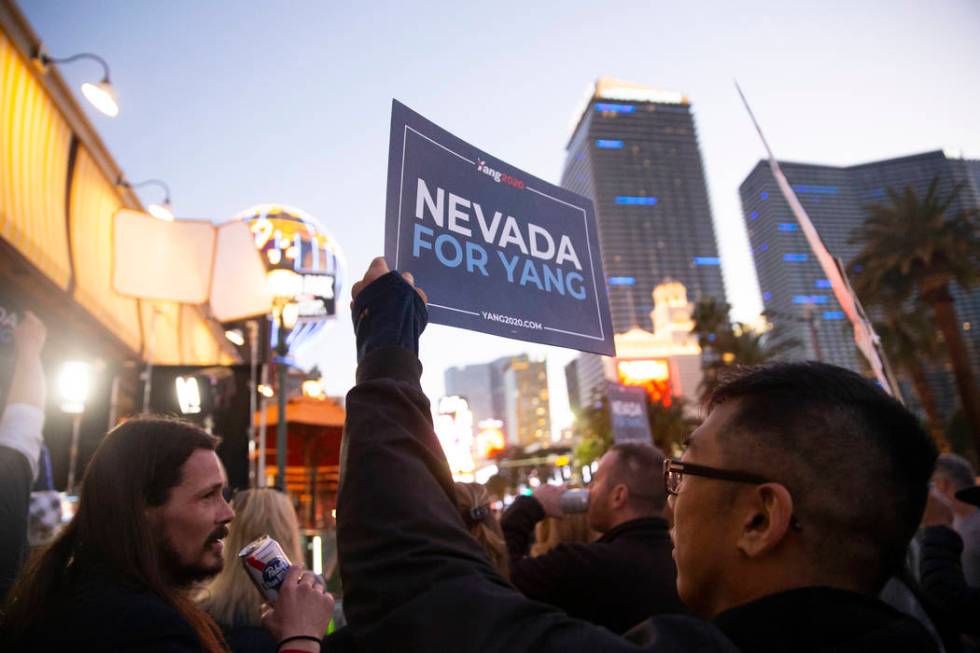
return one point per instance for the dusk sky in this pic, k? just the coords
(240, 103)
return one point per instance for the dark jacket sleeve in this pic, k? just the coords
(943, 581)
(15, 497)
(518, 523)
(414, 579)
(557, 577)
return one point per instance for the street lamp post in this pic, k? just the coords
(285, 285)
(282, 349)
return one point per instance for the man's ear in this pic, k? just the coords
(767, 518)
(619, 495)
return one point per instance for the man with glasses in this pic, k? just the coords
(794, 502)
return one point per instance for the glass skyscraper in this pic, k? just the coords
(793, 285)
(634, 152)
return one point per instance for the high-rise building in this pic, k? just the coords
(795, 292)
(634, 151)
(528, 417)
(513, 389)
(475, 383)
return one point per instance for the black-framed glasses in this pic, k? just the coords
(674, 471)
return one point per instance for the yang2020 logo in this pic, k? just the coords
(498, 176)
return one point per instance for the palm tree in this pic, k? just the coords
(908, 336)
(724, 344)
(670, 425)
(711, 321)
(922, 240)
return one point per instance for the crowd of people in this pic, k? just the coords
(809, 512)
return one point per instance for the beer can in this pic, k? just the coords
(266, 564)
(572, 501)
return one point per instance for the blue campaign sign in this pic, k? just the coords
(496, 249)
(628, 414)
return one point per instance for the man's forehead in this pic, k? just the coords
(202, 468)
(705, 437)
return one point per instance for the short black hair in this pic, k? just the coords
(640, 466)
(855, 460)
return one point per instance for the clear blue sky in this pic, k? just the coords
(238, 103)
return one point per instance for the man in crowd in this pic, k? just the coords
(953, 474)
(941, 554)
(20, 444)
(150, 523)
(794, 502)
(625, 576)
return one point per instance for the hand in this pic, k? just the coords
(547, 496)
(939, 510)
(379, 268)
(29, 336)
(303, 608)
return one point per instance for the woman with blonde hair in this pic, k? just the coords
(474, 508)
(230, 598)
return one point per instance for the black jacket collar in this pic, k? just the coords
(644, 525)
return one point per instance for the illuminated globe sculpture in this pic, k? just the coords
(305, 267)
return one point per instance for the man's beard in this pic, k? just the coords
(184, 575)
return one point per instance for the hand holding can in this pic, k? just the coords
(303, 609)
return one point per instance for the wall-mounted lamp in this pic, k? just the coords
(162, 211)
(102, 95)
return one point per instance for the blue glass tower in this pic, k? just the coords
(635, 153)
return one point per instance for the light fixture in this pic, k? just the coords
(284, 284)
(163, 211)
(265, 390)
(188, 395)
(102, 95)
(235, 336)
(74, 385)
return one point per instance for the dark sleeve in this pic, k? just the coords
(518, 523)
(942, 578)
(558, 576)
(15, 497)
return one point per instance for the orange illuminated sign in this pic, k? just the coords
(490, 438)
(651, 374)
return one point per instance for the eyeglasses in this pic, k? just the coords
(674, 471)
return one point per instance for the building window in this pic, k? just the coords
(608, 107)
(788, 226)
(754, 215)
(635, 200)
(763, 195)
(815, 190)
(833, 315)
(606, 144)
(707, 260)
(795, 258)
(809, 299)
(622, 281)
